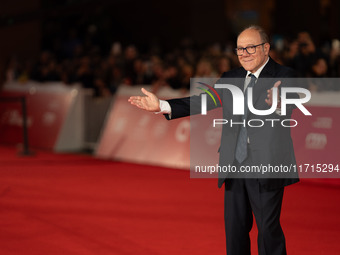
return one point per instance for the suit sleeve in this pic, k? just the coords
(183, 107)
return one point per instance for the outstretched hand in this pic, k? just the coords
(269, 99)
(149, 102)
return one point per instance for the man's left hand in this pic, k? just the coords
(269, 99)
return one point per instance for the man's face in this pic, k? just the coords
(252, 62)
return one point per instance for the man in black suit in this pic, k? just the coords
(247, 146)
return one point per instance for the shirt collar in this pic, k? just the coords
(257, 73)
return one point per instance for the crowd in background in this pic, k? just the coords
(82, 61)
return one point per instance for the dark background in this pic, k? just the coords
(27, 27)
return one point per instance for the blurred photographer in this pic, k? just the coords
(304, 54)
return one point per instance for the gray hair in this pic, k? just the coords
(260, 30)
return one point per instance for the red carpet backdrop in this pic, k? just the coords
(75, 204)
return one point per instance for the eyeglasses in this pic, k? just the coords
(250, 49)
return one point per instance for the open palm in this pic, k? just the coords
(149, 102)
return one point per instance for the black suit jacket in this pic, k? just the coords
(269, 145)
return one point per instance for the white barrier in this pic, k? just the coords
(55, 115)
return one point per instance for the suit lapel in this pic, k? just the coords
(263, 84)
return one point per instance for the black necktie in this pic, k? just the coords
(242, 140)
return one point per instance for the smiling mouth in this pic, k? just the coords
(247, 60)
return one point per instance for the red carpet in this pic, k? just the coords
(74, 204)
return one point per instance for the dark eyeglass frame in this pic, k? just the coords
(247, 49)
